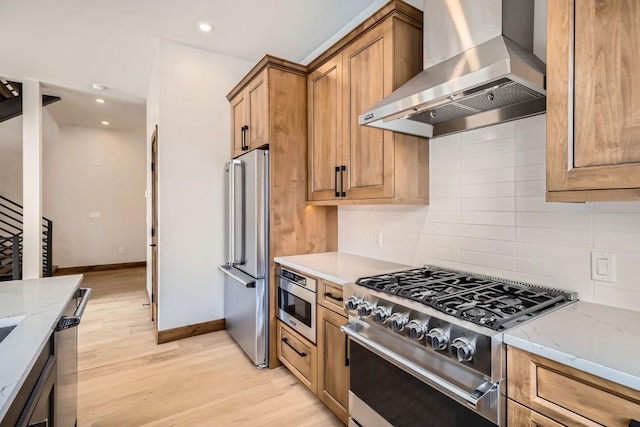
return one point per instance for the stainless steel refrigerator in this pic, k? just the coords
(246, 271)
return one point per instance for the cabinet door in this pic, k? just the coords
(258, 98)
(333, 366)
(325, 129)
(593, 120)
(521, 416)
(368, 152)
(238, 120)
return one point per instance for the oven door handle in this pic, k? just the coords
(479, 399)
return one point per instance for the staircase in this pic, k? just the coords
(11, 235)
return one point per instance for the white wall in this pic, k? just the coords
(11, 159)
(193, 145)
(153, 119)
(74, 187)
(488, 214)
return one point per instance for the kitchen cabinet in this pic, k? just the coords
(298, 355)
(541, 386)
(333, 363)
(349, 163)
(250, 115)
(272, 101)
(330, 296)
(593, 100)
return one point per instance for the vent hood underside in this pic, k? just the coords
(493, 82)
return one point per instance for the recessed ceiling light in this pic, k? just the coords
(97, 86)
(205, 27)
(100, 100)
(106, 123)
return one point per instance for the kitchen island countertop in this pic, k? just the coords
(601, 340)
(37, 305)
(339, 267)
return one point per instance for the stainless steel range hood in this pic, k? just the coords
(479, 70)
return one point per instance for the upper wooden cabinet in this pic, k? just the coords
(349, 163)
(593, 102)
(250, 110)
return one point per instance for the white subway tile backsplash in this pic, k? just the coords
(488, 176)
(492, 232)
(531, 125)
(488, 133)
(488, 215)
(531, 188)
(486, 148)
(488, 204)
(496, 247)
(531, 173)
(500, 189)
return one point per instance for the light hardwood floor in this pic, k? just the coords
(125, 379)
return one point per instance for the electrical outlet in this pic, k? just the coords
(603, 266)
(377, 239)
(121, 250)
(95, 161)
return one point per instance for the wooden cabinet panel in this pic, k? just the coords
(368, 152)
(521, 416)
(325, 128)
(330, 296)
(238, 120)
(297, 354)
(333, 366)
(593, 109)
(258, 110)
(567, 395)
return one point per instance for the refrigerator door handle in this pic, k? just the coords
(231, 232)
(247, 283)
(239, 219)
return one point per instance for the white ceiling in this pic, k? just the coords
(74, 43)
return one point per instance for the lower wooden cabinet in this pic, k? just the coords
(297, 354)
(555, 394)
(333, 363)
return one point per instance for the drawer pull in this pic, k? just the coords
(333, 297)
(301, 354)
(634, 423)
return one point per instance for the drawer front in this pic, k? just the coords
(567, 395)
(330, 296)
(297, 354)
(521, 416)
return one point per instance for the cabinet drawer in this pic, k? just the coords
(330, 296)
(297, 354)
(567, 395)
(521, 416)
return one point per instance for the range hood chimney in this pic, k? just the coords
(479, 70)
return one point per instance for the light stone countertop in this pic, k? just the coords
(598, 339)
(38, 304)
(339, 267)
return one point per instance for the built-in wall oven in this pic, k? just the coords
(297, 302)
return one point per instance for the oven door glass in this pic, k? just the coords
(401, 399)
(295, 306)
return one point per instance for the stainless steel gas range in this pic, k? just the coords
(425, 345)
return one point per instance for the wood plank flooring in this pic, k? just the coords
(125, 379)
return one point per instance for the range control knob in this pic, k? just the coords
(365, 309)
(437, 339)
(417, 329)
(353, 303)
(464, 349)
(380, 314)
(398, 322)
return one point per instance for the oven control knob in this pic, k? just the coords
(353, 303)
(416, 329)
(398, 322)
(380, 314)
(464, 349)
(365, 309)
(437, 339)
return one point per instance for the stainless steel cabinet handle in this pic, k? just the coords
(73, 321)
(479, 398)
(301, 354)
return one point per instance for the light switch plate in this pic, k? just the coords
(603, 266)
(94, 215)
(95, 161)
(377, 239)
